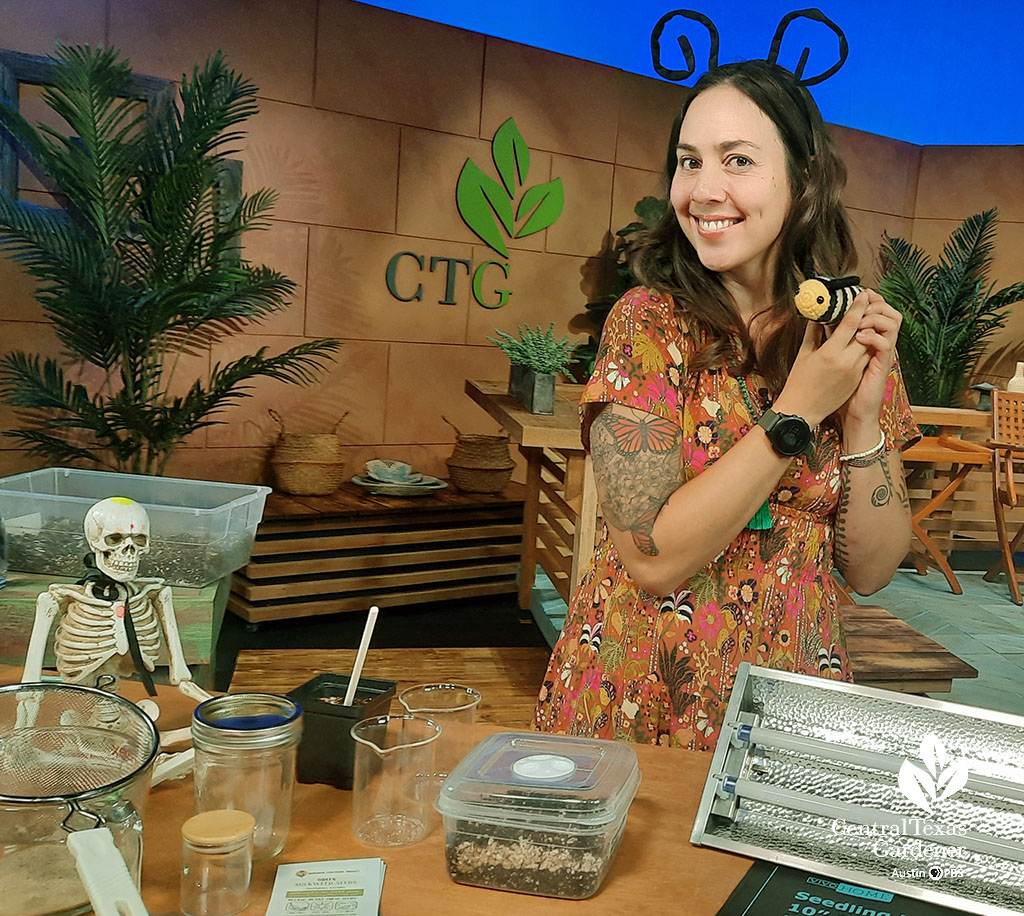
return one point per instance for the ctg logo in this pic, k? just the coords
(496, 211)
(938, 779)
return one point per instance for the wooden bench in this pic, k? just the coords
(344, 552)
(888, 652)
(884, 651)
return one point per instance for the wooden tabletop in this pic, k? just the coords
(353, 501)
(645, 873)
(644, 877)
(560, 430)
(954, 417)
(508, 678)
(932, 450)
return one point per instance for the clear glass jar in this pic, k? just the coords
(245, 747)
(216, 863)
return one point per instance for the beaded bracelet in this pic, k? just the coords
(864, 459)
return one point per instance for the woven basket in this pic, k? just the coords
(307, 464)
(480, 480)
(308, 478)
(479, 464)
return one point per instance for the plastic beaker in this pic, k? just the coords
(393, 755)
(453, 707)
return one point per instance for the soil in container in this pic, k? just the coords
(58, 549)
(527, 861)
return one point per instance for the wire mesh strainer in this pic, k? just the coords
(71, 758)
(61, 742)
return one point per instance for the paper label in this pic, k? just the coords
(338, 887)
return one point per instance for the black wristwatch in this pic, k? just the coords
(788, 434)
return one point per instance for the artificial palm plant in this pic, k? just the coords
(950, 309)
(138, 265)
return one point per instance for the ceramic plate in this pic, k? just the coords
(386, 470)
(380, 488)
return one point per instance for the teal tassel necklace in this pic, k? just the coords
(762, 519)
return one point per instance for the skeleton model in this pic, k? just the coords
(97, 619)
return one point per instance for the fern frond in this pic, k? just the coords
(53, 449)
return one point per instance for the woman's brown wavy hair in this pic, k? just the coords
(815, 238)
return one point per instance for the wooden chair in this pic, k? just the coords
(1007, 443)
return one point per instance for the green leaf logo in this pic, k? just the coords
(486, 205)
(545, 201)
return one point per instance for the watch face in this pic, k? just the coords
(790, 435)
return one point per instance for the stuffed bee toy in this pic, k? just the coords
(826, 300)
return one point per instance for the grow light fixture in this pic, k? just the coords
(906, 794)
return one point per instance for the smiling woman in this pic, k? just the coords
(738, 454)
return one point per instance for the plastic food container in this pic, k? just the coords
(200, 530)
(536, 813)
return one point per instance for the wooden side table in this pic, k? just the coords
(560, 509)
(948, 448)
(560, 502)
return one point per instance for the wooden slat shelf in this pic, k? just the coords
(299, 564)
(296, 542)
(343, 552)
(334, 604)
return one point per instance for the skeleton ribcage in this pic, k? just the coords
(89, 636)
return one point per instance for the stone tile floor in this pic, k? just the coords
(982, 626)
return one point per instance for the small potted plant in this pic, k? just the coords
(535, 357)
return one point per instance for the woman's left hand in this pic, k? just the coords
(877, 332)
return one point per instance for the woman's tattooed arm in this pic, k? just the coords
(872, 522)
(637, 465)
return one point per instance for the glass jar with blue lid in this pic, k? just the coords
(245, 747)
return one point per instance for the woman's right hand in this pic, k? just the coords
(825, 375)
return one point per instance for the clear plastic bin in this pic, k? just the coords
(536, 813)
(200, 530)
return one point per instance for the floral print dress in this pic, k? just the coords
(639, 667)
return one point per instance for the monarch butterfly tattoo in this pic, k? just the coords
(826, 300)
(652, 434)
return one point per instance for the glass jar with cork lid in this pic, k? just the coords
(216, 863)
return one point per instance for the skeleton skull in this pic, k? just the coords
(117, 530)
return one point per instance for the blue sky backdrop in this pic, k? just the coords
(927, 72)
